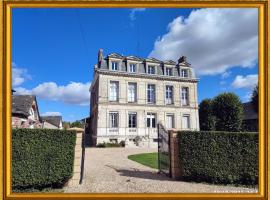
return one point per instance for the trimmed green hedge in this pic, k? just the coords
(219, 157)
(41, 158)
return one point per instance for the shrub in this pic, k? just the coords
(228, 111)
(41, 158)
(219, 157)
(109, 144)
(207, 121)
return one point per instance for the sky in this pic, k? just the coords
(54, 50)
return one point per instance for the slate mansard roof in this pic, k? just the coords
(21, 104)
(103, 64)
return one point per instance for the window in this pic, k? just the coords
(169, 94)
(151, 93)
(186, 122)
(114, 66)
(184, 73)
(132, 92)
(132, 120)
(169, 71)
(151, 120)
(184, 96)
(113, 117)
(170, 121)
(132, 68)
(114, 91)
(151, 69)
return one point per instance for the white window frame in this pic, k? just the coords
(113, 119)
(172, 118)
(151, 93)
(166, 72)
(182, 73)
(152, 120)
(168, 93)
(184, 101)
(114, 97)
(188, 122)
(151, 67)
(134, 67)
(132, 96)
(115, 66)
(131, 123)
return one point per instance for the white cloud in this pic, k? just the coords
(213, 39)
(50, 113)
(226, 74)
(19, 75)
(248, 81)
(73, 93)
(132, 14)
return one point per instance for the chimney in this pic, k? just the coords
(182, 59)
(100, 56)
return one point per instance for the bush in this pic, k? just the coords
(41, 158)
(207, 120)
(219, 157)
(109, 144)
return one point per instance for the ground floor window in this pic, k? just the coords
(113, 117)
(151, 120)
(186, 122)
(132, 120)
(170, 121)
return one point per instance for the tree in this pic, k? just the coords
(207, 121)
(254, 98)
(228, 112)
(77, 124)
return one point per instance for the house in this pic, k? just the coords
(52, 122)
(130, 95)
(250, 118)
(25, 113)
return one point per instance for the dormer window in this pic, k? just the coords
(114, 66)
(151, 69)
(169, 71)
(132, 68)
(184, 73)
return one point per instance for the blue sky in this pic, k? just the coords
(54, 50)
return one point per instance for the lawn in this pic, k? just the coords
(147, 159)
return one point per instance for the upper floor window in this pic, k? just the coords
(114, 91)
(169, 94)
(169, 71)
(185, 122)
(151, 69)
(151, 120)
(113, 117)
(184, 73)
(151, 93)
(132, 68)
(132, 92)
(185, 96)
(114, 66)
(132, 120)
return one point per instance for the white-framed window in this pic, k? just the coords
(169, 121)
(151, 93)
(169, 71)
(169, 94)
(132, 67)
(132, 92)
(151, 120)
(185, 96)
(184, 73)
(114, 91)
(132, 120)
(151, 69)
(113, 117)
(186, 122)
(114, 66)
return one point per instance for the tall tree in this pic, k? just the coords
(254, 98)
(228, 112)
(206, 118)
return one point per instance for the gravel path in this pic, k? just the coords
(108, 170)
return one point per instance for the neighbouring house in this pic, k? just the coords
(250, 118)
(25, 113)
(52, 122)
(129, 95)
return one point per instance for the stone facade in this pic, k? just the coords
(144, 132)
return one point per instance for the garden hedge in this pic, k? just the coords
(219, 157)
(41, 157)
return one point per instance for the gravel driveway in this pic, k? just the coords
(108, 170)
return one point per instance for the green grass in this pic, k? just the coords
(147, 159)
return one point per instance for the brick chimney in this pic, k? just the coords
(100, 56)
(182, 59)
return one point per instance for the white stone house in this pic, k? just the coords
(52, 122)
(130, 95)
